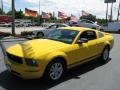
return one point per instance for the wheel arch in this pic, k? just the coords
(51, 59)
(39, 33)
(107, 45)
(93, 27)
(56, 55)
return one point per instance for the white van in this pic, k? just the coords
(112, 26)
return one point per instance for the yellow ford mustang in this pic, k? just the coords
(62, 49)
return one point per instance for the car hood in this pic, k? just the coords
(36, 48)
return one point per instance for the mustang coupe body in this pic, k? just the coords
(62, 49)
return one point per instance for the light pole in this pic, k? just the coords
(2, 6)
(39, 13)
(13, 18)
(107, 13)
(111, 12)
(118, 12)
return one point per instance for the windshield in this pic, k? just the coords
(66, 36)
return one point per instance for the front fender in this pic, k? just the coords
(53, 55)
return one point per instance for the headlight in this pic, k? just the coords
(31, 62)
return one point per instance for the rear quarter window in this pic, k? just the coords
(100, 34)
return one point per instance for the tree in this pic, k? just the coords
(1, 12)
(101, 21)
(18, 14)
(89, 17)
(9, 12)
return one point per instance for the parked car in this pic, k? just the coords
(7, 25)
(86, 23)
(43, 32)
(112, 26)
(62, 49)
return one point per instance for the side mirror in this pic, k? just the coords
(82, 41)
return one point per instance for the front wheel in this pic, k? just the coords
(54, 71)
(105, 55)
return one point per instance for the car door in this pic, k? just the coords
(92, 43)
(80, 52)
(77, 53)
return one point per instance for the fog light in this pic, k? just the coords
(31, 62)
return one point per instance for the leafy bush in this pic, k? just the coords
(26, 33)
(5, 34)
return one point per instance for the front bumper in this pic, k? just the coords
(23, 71)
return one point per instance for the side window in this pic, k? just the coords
(61, 25)
(88, 22)
(100, 35)
(84, 21)
(52, 27)
(88, 35)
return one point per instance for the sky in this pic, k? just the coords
(95, 7)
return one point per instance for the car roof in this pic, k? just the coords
(77, 28)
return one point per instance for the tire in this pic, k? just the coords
(55, 71)
(105, 55)
(101, 29)
(93, 27)
(119, 31)
(40, 35)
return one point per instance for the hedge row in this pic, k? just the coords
(26, 33)
(6, 34)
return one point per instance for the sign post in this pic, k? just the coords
(118, 12)
(13, 18)
(109, 1)
(107, 13)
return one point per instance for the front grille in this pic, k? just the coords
(14, 58)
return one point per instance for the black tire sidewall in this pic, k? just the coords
(102, 56)
(40, 33)
(47, 77)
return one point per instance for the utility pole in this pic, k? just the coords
(2, 6)
(118, 12)
(39, 13)
(111, 12)
(107, 13)
(13, 18)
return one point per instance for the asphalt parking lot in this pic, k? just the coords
(91, 76)
(18, 30)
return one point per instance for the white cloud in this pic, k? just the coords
(7, 1)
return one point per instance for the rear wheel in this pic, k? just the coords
(119, 31)
(105, 55)
(40, 35)
(54, 71)
(93, 27)
(101, 29)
